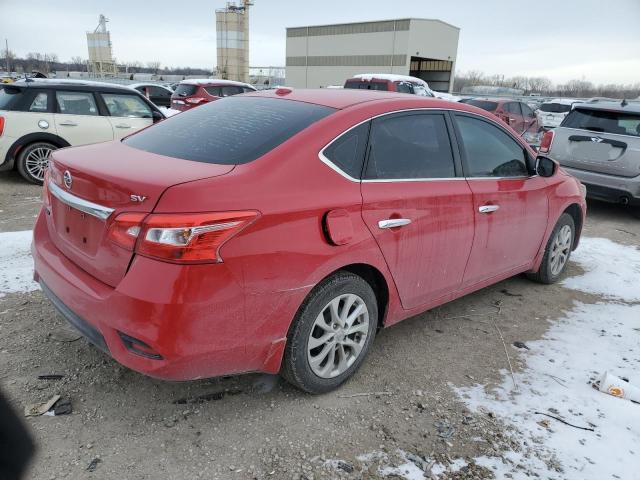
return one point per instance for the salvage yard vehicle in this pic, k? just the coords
(191, 93)
(40, 116)
(160, 95)
(518, 115)
(552, 113)
(599, 143)
(278, 231)
(388, 82)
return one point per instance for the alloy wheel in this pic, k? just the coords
(37, 162)
(338, 336)
(560, 249)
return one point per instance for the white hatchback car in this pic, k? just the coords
(553, 112)
(39, 116)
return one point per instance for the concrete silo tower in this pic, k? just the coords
(232, 34)
(101, 61)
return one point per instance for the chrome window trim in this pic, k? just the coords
(90, 208)
(337, 169)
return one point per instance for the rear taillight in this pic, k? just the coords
(1, 125)
(180, 238)
(194, 100)
(547, 140)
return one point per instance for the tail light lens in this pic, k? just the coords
(1, 125)
(194, 100)
(180, 238)
(547, 140)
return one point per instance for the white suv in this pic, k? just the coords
(39, 116)
(553, 112)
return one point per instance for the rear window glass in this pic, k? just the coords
(602, 121)
(555, 108)
(230, 131)
(7, 96)
(360, 85)
(184, 90)
(483, 104)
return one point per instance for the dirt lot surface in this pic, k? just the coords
(257, 426)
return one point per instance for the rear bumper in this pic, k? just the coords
(191, 316)
(608, 188)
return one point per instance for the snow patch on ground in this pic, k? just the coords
(16, 265)
(577, 349)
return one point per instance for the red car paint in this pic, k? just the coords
(191, 93)
(511, 112)
(211, 319)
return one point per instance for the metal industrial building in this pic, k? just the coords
(232, 33)
(323, 55)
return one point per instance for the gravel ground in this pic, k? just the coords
(257, 426)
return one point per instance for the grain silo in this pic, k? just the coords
(232, 34)
(101, 61)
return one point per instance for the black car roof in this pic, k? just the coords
(77, 85)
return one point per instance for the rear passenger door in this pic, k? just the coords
(78, 119)
(127, 113)
(514, 116)
(510, 204)
(416, 206)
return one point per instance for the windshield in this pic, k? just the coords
(230, 131)
(555, 108)
(620, 123)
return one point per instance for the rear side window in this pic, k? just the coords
(185, 90)
(215, 91)
(490, 152)
(602, 121)
(126, 106)
(9, 95)
(230, 131)
(404, 87)
(410, 146)
(359, 85)
(555, 108)
(40, 103)
(347, 152)
(76, 103)
(526, 110)
(483, 104)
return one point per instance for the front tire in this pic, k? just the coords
(331, 335)
(33, 161)
(557, 251)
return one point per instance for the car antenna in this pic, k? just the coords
(624, 102)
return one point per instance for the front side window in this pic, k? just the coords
(483, 104)
(126, 106)
(40, 103)
(347, 152)
(158, 92)
(526, 111)
(229, 131)
(602, 121)
(412, 146)
(490, 152)
(76, 103)
(512, 107)
(230, 90)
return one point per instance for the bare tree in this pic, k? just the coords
(154, 66)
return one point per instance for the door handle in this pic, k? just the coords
(393, 223)
(488, 208)
(68, 124)
(123, 125)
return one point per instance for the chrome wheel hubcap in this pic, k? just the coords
(560, 249)
(338, 335)
(37, 162)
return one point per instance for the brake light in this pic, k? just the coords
(1, 125)
(125, 229)
(194, 100)
(547, 140)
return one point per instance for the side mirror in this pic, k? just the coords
(545, 167)
(157, 116)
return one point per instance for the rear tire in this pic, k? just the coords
(331, 334)
(557, 251)
(33, 161)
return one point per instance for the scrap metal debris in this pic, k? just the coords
(37, 409)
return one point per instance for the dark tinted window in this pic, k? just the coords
(215, 91)
(526, 110)
(347, 152)
(230, 131)
(513, 108)
(410, 146)
(247, 89)
(404, 87)
(8, 95)
(363, 85)
(602, 121)
(185, 90)
(483, 104)
(555, 108)
(231, 90)
(158, 92)
(490, 152)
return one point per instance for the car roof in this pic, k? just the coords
(391, 77)
(213, 81)
(564, 101)
(147, 84)
(67, 84)
(344, 98)
(495, 99)
(630, 107)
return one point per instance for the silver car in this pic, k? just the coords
(599, 143)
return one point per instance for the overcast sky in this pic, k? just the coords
(598, 40)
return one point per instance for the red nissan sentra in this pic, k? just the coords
(278, 231)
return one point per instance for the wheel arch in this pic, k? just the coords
(576, 213)
(28, 139)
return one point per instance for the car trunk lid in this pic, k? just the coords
(90, 186)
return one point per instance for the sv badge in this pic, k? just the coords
(138, 198)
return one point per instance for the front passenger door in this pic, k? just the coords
(128, 113)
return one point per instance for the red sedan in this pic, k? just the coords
(278, 231)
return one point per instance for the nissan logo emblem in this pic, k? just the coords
(68, 181)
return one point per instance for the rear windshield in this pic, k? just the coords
(366, 85)
(483, 104)
(230, 131)
(555, 108)
(603, 121)
(7, 96)
(185, 90)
